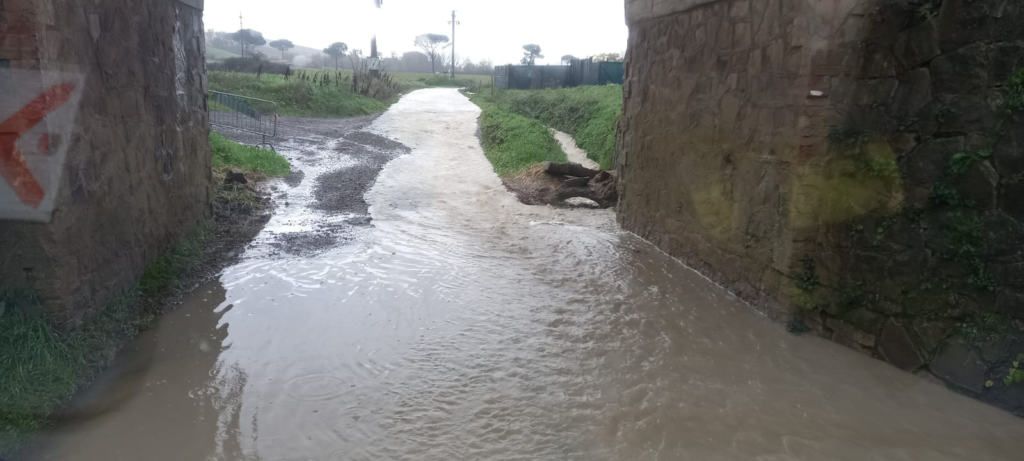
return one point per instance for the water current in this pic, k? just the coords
(463, 325)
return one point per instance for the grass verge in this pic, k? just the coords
(41, 368)
(513, 142)
(295, 96)
(227, 153)
(588, 113)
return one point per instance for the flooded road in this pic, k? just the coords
(462, 325)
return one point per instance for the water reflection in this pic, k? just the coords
(165, 396)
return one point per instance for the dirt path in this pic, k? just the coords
(572, 151)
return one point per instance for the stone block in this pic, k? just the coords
(926, 165)
(1008, 150)
(864, 320)
(877, 61)
(875, 92)
(1009, 274)
(958, 364)
(897, 348)
(851, 333)
(912, 94)
(931, 334)
(970, 113)
(741, 36)
(1010, 202)
(980, 186)
(917, 45)
(961, 71)
(1005, 59)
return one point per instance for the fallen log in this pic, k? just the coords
(551, 183)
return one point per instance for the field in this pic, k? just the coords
(319, 93)
(298, 97)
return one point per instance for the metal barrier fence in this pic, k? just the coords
(578, 72)
(249, 115)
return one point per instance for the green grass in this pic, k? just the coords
(588, 113)
(295, 96)
(512, 142)
(227, 153)
(304, 98)
(41, 368)
(409, 81)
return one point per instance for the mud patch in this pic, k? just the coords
(342, 190)
(306, 243)
(294, 178)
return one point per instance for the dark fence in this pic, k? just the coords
(578, 72)
(588, 72)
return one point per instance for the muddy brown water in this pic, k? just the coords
(462, 325)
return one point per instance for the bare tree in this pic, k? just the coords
(432, 45)
(355, 58)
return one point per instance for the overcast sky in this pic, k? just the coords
(495, 29)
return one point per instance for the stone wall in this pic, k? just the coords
(849, 166)
(137, 170)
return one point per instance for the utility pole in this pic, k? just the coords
(241, 36)
(454, 23)
(375, 66)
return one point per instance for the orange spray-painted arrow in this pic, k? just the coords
(13, 167)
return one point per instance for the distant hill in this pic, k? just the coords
(216, 54)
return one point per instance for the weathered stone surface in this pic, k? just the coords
(962, 71)
(918, 45)
(980, 185)
(913, 93)
(897, 348)
(925, 166)
(137, 174)
(995, 349)
(1008, 151)
(878, 61)
(763, 175)
(971, 113)
(864, 320)
(958, 364)
(1009, 193)
(851, 332)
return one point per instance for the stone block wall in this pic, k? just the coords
(137, 175)
(849, 166)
